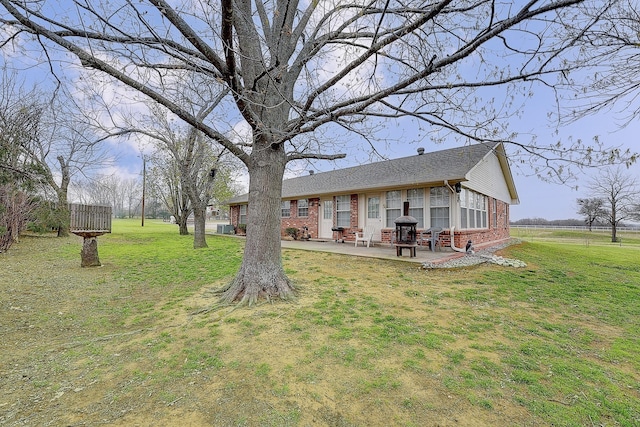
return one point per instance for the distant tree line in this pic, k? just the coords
(571, 222)
(614, 200)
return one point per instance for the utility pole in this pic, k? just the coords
(144, 184)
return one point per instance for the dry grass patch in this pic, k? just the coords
(367, 342)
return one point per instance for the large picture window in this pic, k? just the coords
(343, 211)
(394, 207)
(439, 202)
(473, 209)
(285, 208)
(415, 197)
(303, 208)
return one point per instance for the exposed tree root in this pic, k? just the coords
(241, 292)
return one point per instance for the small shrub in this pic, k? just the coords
(293, 232)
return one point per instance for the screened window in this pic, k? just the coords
(343, 211)
(439, 202)
(415, 197)
(394, 207)
(303, 208)
(285, 208)
(243, 214)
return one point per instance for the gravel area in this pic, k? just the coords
(485, 255)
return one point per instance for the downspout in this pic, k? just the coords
(453, 241)
(449, 187)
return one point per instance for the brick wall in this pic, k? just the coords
(479, 237)
(234, 215)
(310, 221)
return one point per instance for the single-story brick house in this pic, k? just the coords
(469, 188)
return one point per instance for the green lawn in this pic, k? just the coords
(368, 342)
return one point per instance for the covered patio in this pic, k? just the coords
(378, 250)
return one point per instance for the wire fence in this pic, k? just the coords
(575, 227)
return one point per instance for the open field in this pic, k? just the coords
(582, 237)
(368, 342)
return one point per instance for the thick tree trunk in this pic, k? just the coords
(184, 230)
(89, 253)
(199, 225)
(64, 215)
(62, 191)
(261, 274)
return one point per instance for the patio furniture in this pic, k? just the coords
(365, 236)
(431, 236)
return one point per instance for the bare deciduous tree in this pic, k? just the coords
(164, 176)
(619, 191)
(607, 65)
(592, 209)
(294, 69)
(15, 209)
(189, 170)
(20, 122)
(45, 143)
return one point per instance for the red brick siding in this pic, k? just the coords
(311, 221)
(234, 214)
(479, 237)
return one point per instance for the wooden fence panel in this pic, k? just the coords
(90, 218)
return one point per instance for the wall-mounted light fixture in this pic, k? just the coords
(458, 187)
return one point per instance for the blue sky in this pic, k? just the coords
(538, 199)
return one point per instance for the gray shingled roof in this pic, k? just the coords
(429, 168)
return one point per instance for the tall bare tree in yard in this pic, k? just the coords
(592, 209)
(619, 191)
(293, 70)
(50, 144)
(164, 175)
(190, 167)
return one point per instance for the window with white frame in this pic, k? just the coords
(373, 208)
(481, 211)
(303, 208)
(285, 208)
(327, 209)
(343, 211)
(439, 207)
(415, 197)
(473, 209)
(464, 211)
(494, 213)
(243, 214)
(394, 207)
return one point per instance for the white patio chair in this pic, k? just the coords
(365, 236)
